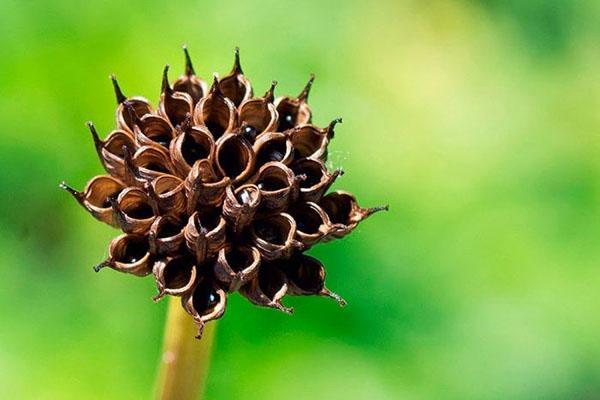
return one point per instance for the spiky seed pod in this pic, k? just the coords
(294, 111)
(217, 192)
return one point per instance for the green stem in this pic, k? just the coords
(184, 360)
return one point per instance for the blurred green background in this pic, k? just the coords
(477, 121)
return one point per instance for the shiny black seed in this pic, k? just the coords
(249, 133)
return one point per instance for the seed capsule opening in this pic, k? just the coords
(275, 149)
(313, 170)
(234, 157)
(338, 208)
(205, 298)
(178, 272)
(131, 249)
(196, 147)
(271, 281)
(169, 228)
(207, 221)
(101, 190)
(308, 141)
(308, 220)
(239, 258)
(273, 230)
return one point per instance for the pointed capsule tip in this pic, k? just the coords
(118, 92)
(216, 87)
(303, 96)
(98, 267)
(166, 88)
(63, 185)
(270, 95)
(158, 297)
(340, 300)
(373, 210)
(97, 142)
(237, 67)
(189, 68)
(282, 308)
(330, 128)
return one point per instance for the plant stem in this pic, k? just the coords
(184, 360)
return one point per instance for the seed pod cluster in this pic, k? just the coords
(218, 191)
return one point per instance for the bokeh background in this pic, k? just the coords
(477, 121)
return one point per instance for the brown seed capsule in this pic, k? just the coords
(218, 191)
(110, 150)
(173, 105)
(205, 234)
(318, 179)
(278, 185)
(274, 236)
(190, 83)
(240, 206)
(310, 141)
(134, 210)
(234, 157)
(140, 105)
(96, 197)
(312, 224)
(306, 276)
(205, 303)
(152, 162)
(191, 145)
(235, 85)
(258, 115)
(273, 146)
(168, 191)
(216, 112)
(203, 187)
(267, 288)
(166, 235)
(294, 111)
(174, 276)
(128, 253)
(236, 265)
(344, 213)
(150, 130)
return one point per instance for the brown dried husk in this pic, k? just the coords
(218, 191)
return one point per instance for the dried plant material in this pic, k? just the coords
(216, 112)
(240, 207)
(174, 276)
(273, 146)
(166, 235)
(110, 151)
(205, 303)
(258, 115)
(173, 105)
(130, 254)
(217, 191)
(278, 186)
(312, 223)
(234, 157)
(235, 266)
(124, 117)
(306, 276)
(97, 195)
(318, 179)
(294, 111)
(235, 86)
(190, 83)
(192, 144)
(344, 213)
(310, 141)
(205, 234)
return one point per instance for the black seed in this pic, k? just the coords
(250, 133)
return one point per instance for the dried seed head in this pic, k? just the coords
(218, 191)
